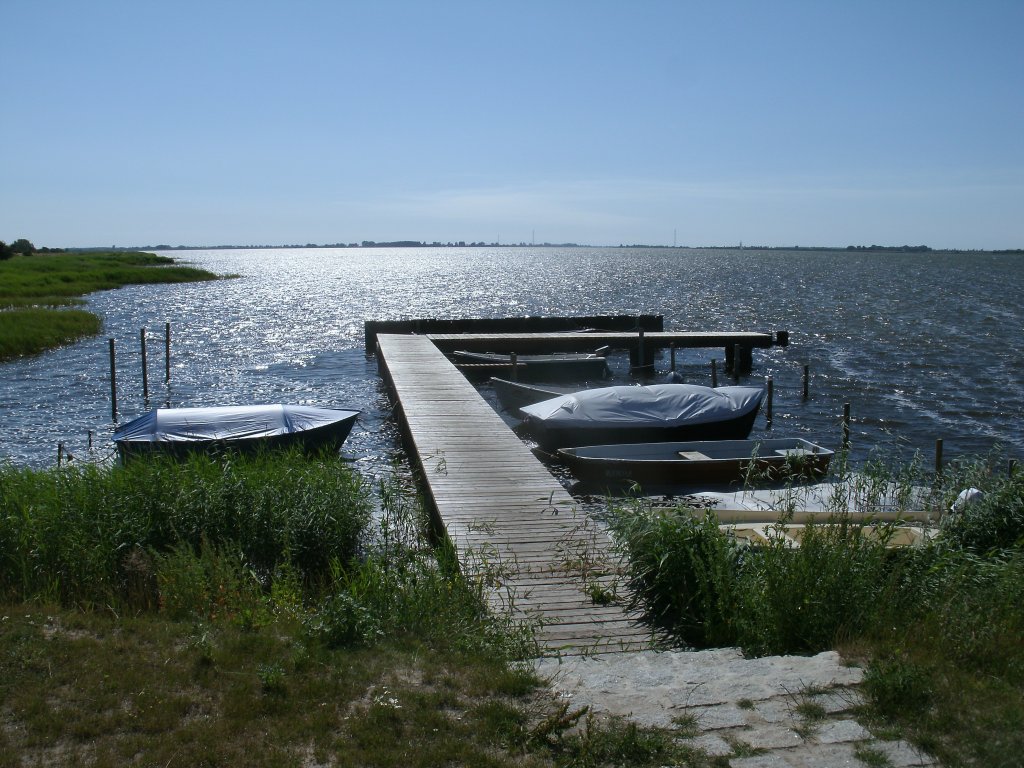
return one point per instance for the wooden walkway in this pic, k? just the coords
(510, 521)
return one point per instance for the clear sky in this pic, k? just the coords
(826, 122)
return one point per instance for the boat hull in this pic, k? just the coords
(658, 413)
(513, 395)
(327, 436)
(696, 462)
(533, 367)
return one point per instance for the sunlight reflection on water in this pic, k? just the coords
(918, 348)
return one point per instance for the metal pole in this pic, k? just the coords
(167, 351)
(113, 383)
(145, 367)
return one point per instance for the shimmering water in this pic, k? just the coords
(921, 346)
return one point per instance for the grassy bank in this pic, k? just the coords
(34, 289)
(255, 612)
(938, 628)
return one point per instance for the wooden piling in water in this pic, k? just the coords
(938, 456)
(514, 358)
(167, 351)
(714, 373)
(145, 367)
(113, 383)
(846, 426)
(806, 381)
(770, 386)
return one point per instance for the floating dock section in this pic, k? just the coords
(509, 520)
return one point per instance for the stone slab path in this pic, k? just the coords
(770, 712)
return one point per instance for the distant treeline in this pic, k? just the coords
(481, 244)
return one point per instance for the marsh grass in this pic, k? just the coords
(31, 287)
(937, 626)
(377, 652)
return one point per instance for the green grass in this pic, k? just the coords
(937, 627)
(34, 287)
(35, 330)
(251, 612)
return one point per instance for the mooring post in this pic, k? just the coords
(770, 385)
(938, 456)
(145, 367)
(60, 454)
(90, 440)
(807, 379)
(515, 366)
(113, 383)
(846, 426)
(640, 361)
(167, 351)
(714, 373)
(672, 355)
(737, 364)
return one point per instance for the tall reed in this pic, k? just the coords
(77, 535)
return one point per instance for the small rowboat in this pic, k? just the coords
(513, 395)
(696, 462)
(180, 431)
(565, 366)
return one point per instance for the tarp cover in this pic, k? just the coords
(657, 405)
(233, 422)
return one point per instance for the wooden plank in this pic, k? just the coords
(511, 522)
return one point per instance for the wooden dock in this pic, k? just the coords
(510, 521)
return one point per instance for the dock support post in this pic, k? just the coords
(770, 385)
(113, 383)
(714, 374)
(672, 355)
(806, 382)
(846, 426)
(145, 367)
(515, 366)
(167, 351)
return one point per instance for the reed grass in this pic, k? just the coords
(937, 627)
(34, 330)
(32, 286)
(374, 651)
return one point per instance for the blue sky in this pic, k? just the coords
(774, 123)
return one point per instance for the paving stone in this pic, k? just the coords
(769, 760)
(823, 756)
(840, 700)
(904, 755)
(710, 744)
(775, 710)
(770, 737)
(836, 731)
(719, 717)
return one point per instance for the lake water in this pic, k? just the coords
(922, 346)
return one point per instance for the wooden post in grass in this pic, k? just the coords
(145, 366)
(167, 351)
(807, 379)
(846, 426)
(113, 382)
